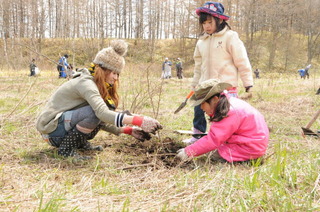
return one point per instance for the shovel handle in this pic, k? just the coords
(190, 94)
(314, 118)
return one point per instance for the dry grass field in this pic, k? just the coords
(133, 176)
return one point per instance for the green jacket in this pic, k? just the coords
(76, 93)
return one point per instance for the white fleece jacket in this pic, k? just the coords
(222, 56)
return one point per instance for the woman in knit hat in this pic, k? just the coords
(84, 105)
(238, 131)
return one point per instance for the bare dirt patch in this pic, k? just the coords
(151, 153)
(125, 152)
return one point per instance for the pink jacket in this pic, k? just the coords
(243, 135)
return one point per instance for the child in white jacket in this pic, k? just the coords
(219, 54)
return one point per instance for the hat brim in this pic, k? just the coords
(213, 91)
(215, 14)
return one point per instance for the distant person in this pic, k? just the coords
(302, 73)
(82, 106)
(307, 70)
(32, 67)
(179, 68)
(257, 73)
(238, 131)
(166, 69)
(63, 66)
(219, 54)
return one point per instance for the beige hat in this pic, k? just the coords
(207, 89)
(112, 58)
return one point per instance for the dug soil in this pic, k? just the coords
(152, 152)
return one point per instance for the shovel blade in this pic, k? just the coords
(307, 131)
(183, 104)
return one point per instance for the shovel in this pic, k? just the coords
(306, 130)
(183, 104)
(189, 132)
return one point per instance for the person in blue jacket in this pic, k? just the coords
(63, 66)
(302, 73)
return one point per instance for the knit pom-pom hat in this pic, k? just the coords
(112, 58)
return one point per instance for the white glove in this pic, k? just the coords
(182, 155)
(147, 124)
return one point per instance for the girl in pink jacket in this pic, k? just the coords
(238, 131)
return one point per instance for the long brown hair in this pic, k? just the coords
(222, 108)
(99, 78)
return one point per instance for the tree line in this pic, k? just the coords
(273, 30)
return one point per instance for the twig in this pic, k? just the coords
(35, 51)
(316, 183)
(22, 98)
(136, 166)
(29, 108)
(163, 154)
(266, 158)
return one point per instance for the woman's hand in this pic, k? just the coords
(137, 133)
(140, 134)
(147, 124)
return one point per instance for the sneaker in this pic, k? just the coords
(189, 141)
(192, 139)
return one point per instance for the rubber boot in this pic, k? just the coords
(86, 145)
(70, 143)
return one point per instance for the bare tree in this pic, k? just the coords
(139, 19)
(312, 16)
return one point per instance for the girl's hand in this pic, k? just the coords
(247, 94)
(182, 155)
(248, 88)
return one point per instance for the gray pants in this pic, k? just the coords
(84, 117)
